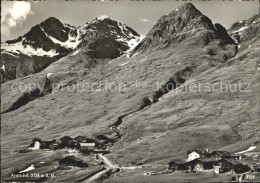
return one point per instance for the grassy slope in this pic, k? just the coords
(187, 120)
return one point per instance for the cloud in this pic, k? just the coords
(13, 14)
(143, 20)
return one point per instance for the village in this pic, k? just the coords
(80, 143)
(215, 162)
(201, 160)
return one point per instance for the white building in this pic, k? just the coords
(87, 146)
(195, 154)
(35, 145)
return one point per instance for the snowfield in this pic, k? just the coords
(27, 50)
(249, 149)
(28, 169)
(72, 42)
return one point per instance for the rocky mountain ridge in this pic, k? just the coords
(51, 40)
(180, 25)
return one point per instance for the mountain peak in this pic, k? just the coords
(188, 5)
(179, 25)
(187, 9)
(52, 20)
(103, 17)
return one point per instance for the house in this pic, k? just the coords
(256, 168)
(217, 155)
(72, 161)
(231, 165)
(55, 145)
(46, 144)
(195, 154)
(35, 144)
(66, 139)
(201, 164)
(39, 144)
(67, 142)
(87, 146)
(80, 139)
(177, 165)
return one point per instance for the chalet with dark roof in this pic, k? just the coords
(227, 165)
(201, 164)
(177, 165)
(217, 155)
(80, 139)
(67, 142)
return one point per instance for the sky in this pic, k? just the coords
(17, 18)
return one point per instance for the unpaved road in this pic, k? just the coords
(108, 162)
(109, 165)
(96, 176)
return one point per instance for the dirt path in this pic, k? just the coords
(108, 162)
(96, 176)
(109, 167)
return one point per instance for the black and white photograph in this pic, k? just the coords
(125, 91)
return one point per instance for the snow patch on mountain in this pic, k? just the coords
(27, 49)
(249, 149)
(72, 42)
(103, 17)
(241, 29)
(28, 169)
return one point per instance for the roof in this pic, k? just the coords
(55, 143)
(203, 160)
(80, 137)
(87, 144)
(207, 160)
(199, 151)
(232, 161)
(66, 137)
(221, 153)
(36, 139)
(177, 162)
(90, 141)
